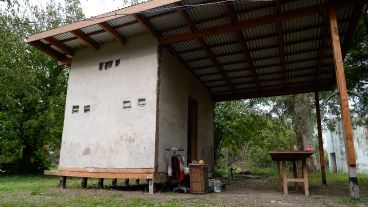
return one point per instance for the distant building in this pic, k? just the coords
(336, 150)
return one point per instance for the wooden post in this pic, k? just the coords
(84, 182)
(305, 177)
(126, 182)
(100, 183)
(344, 105)
(320, 140)
(114, 183)
(284, 178)
(63, 182)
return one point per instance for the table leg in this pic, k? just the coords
(279, 173)
(284, 177)
(295, 173)
(305, 176)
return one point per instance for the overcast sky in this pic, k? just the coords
(91, 7)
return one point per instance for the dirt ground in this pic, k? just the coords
(43, 191)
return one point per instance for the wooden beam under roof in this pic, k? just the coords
(109, 29)
(87, 40)
(254, 22)
(305, 88)
(61, 46)
(234, 19)
(204, 46)
(150, 28)
(48, 50)
(280, 40)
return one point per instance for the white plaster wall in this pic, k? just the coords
(176, 84)
(110, 136)
(335, 144)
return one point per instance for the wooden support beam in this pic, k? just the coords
(320, 56)
(109, 29)
(150, 28)
(357, 11)
(276, 91)
(344, 105)
(259, 21)
(267, 73)
(280, 40)
(100, 183)
(85, 39)
(204, 46)
(61, 46)
(84, 182)
(234, 19)
(320, 140)
(48, 50)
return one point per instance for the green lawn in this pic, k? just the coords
(43, 191)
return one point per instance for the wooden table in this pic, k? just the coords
(293, 156)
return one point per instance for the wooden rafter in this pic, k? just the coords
(109, 29)
(258, 67)
(204, 46)
(305, 51)
(276, 91)
(150, 28)
(254, 22)
(53, 53)
(234, 19)
(87, 40)
(60, 45)
(280, 40)
(264, 77)
(357, 11)
(321, 50)
(267, 73)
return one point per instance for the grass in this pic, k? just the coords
(40, 190)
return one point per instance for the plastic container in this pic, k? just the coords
(217, 186)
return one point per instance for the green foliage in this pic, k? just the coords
(32, 87)
(244, 135)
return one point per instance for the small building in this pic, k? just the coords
(146, 77)
(334, 140)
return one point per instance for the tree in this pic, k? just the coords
(32, 86)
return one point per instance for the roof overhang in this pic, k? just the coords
(237, 49)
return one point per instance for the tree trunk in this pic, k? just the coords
(26, 164)
(303, 122)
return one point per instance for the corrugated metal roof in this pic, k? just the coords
(232, 71)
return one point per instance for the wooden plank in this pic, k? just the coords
(254, 22)
(341, 85)
(60, 45)
(320, 140)
(85, 39)
(109, 29)
(295, 180)
(48, 50)
(107, 175)
(51, 172)
(110, 170)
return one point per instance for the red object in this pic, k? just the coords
(308, 149)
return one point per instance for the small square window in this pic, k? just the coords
(127, 104)
(108, 64)
(75, 109)
(141, 102)
(100, 66)
(117, 62)
(87, 108)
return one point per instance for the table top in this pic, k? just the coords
(290, 155)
